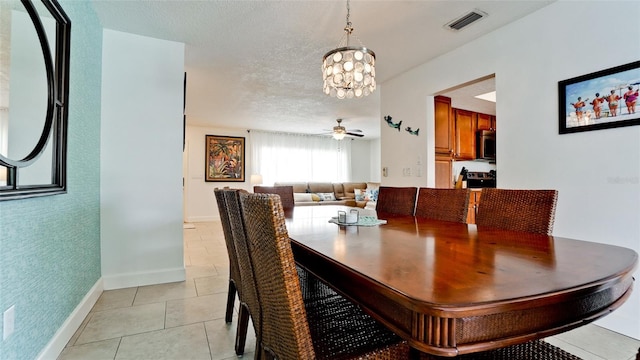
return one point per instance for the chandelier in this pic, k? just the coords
(349, 71)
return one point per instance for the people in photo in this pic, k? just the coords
(630, 98)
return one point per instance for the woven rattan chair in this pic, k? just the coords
(285, 192)
(313, 290)
(235, 283)
(396, 200)
(531, 211)
(249, 305)
(443, 204)
(331, 328)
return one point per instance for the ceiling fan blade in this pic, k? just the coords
(354, 134)
(355, 130)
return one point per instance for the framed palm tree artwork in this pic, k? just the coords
(224, 158)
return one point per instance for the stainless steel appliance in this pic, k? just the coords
(478, 179)
(486, 145)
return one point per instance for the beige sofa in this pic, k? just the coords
(326, 193)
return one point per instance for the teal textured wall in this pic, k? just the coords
(50, 246)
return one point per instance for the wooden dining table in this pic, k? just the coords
(452, 288)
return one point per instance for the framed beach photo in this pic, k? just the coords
(224, 158)
(600, 100)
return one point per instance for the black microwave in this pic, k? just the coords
(486, 145)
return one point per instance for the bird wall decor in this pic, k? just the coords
(411, 131)
(391, 124)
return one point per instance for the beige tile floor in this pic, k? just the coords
(185, 320)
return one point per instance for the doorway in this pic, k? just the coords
(460, 112)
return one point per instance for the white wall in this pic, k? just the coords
(375, 170)
(597, 173)
(399, 149)
(199, 200)
(141, 160)
(362, 154)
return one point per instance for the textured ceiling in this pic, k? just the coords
(256, 64)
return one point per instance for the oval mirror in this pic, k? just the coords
(34, 77)
(25, 86)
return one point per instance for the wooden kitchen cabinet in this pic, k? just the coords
(474, 201)
(443, 125)
(465, 134)
(444, 176)
(455, 137)
(485, 122)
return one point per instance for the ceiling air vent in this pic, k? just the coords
(465, 20)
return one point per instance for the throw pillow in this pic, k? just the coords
(372, 194)
(327, 196)
(360, 194)
(302, 197)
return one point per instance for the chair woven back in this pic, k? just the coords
(285, 192)
(234, 272)
(285, 330)
(249, 291)
(530, 211)
(443, 204)
(396, 200)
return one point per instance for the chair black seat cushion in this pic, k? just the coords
(339, 328)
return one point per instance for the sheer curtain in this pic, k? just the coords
(298, 157)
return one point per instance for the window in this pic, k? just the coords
(296, 157)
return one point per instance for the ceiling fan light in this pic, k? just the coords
(339, 136)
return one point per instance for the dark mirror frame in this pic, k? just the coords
(55, 127)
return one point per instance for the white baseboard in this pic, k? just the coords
(55, 346)
(201, 218)
(122, 281)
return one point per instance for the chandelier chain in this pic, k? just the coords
(348, 29)
(348, 12)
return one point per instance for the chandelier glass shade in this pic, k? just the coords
(349, 71)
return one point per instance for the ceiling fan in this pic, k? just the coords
(339, 131)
